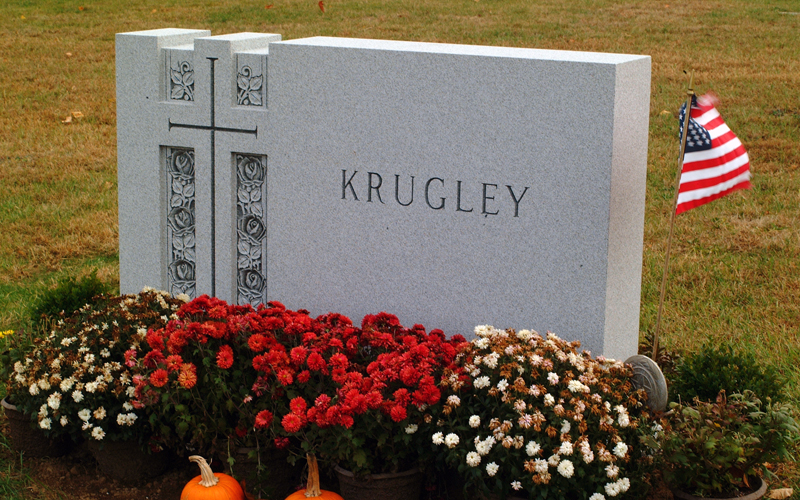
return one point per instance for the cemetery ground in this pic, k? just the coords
(735, 263)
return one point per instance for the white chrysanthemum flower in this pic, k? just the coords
(44, 383)
(612, 489)
(100, 413)
(105, 353)
(485, 446)
(502, 385)
(77, 396)
(524, 335)
(85, 414)
(554, 460)
(453, 400)
(566, 469)
(520, 405)
(91, 387)
(482, 382)
(565, 448)
(481, 343)
(411, 428)
(474, 421)
(549, 400)
(565, 427)
(89, 358)
(483, 330)
(624, 484)
(612, 471)
(63, 421)
(491, 360)
(516, 485)
(540, 466)
(533, 448)
(34, 389)
(492, 468)
(473, 459)
(43, 410)
(45, 423)
(19, 367)
(130, 391)
(98, 433)
(623, 420)
(451, 440)
(438, 438)
(576, 386)
(54, 400)
(597, 496)
(67, 384)
(552, 377)
(621, 449)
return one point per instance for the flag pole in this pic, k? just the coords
(687, 115)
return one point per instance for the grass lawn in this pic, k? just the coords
(735, 272)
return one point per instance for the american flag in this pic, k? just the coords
(715, 162)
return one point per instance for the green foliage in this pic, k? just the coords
(69, 295)
(712, 369)
(719, 448)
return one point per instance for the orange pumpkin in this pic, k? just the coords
(211, 485)
(312, 488)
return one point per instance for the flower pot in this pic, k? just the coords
(760, 491)
(401, 486)
(31, 440)
(126, 461)
(277, 478)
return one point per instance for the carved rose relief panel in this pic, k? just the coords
(181, 221)
(251, 228)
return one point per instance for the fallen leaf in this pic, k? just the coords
(268, 6)
(69, 54)
(77, 114)
(81, 8)
(780, 493)
(67, 120)
(665, 112)
(321, 6)
(22, 17)
(154, 11)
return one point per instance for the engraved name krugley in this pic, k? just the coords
(482, 198)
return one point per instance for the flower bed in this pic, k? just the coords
(511, 413)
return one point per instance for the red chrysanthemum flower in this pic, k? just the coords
(304, 376)
(292, 423)
(263, 419)
(285, 377)
(130, 358)
(153, 359)
(257, 342)
(159, 377)
(316, 362)
(187, 376)
(398, 413)
(174, 363)
(155, 340)
(339, 360)
(281, 443)
(225, 357)
(298, 355)
(298, 406)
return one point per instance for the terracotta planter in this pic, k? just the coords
(401, 486)
(126, 461)
(277, 478)
(29, 439)
(760, 491)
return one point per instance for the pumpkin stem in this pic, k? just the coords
(208, 479)
(312, 487)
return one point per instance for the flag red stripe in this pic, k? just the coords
(714, 162)
(682, 207)
(713, 181)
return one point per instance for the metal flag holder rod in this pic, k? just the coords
(689, 95)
